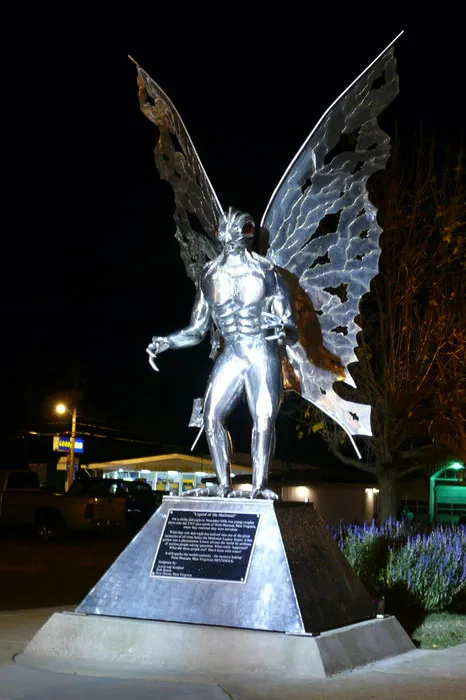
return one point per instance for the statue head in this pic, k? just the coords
(235, 229)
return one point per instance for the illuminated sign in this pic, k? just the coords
(62, 443)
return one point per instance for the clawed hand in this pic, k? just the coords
(273, 321)
(159, 344)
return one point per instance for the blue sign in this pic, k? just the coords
(62, 443)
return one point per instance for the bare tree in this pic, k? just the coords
(412, 355)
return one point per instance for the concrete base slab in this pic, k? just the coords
(119, 647)
(17, 627)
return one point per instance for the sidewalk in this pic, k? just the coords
(418, 675)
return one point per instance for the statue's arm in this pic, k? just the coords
(282, 304)
(191, 335)
(281, 314)
(198, 326)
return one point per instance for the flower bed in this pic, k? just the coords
(428, 565)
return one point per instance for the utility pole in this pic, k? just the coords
(72, 442)
(62, 408)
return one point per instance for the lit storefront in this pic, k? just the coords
(334, 501)
(173, 472)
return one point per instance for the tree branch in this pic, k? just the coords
(414, 452)
(408, 470)
(352, 461)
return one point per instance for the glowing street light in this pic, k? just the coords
(61, 409)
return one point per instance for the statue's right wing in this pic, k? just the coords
(197, 208)
(323, 235)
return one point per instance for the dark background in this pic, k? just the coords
(90, 267)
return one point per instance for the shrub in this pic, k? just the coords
(366, 548)
(396, 557)
(432, 566)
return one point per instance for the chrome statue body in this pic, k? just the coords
(288, 318)
(244, 296)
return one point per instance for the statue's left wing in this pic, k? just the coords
(197, 208)
(323, 234)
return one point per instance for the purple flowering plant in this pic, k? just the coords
(431, 565)
(430, 562)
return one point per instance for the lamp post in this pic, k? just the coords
(61, 408)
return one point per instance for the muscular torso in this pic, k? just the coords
(237, 292)
(234, 292)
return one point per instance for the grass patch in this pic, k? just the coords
(441, 630)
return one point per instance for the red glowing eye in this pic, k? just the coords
(248, 229)
(216, 229)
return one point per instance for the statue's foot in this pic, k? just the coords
(239, 493)
(267, 494)
(196, 493)
(223, 490)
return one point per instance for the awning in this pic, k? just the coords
(164, 463)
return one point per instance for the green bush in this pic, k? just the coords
(426, 569)
(367, 555)
(432, 566)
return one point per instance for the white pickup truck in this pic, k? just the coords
(22, 502)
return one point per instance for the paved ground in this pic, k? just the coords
(36, 574)
(419, 675)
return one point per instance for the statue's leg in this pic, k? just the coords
(224, 388)
(264, 393)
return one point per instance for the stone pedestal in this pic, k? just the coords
(212, 586)
(244, 563)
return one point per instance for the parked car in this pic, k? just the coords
(140, 501)
(22, 502)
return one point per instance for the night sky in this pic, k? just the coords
(90, 267)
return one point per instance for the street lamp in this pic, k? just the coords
(61, 409)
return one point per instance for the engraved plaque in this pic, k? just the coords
(214, 545)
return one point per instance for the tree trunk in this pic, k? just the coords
(388, 496)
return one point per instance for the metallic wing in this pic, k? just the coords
(322, 231)
(197, 208)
